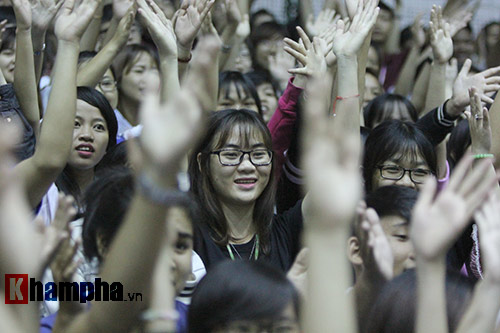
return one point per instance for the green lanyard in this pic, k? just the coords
(255, 250)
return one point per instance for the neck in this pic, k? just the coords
(240, 222)
(83, 178)
(129, 109)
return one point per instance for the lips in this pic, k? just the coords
(85, 150)
(246, 183)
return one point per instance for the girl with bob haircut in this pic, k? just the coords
(233, 179)
(397, 153)
(244, 297)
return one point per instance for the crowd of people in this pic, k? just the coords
(195, 166)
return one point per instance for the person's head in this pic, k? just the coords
(106, 202)
(397, 153)
(135, 66)
(107, 85)
(265, 42)
(8, 54)
(233, 167)
(393, 205)
(395, 307)
(260, 17)
(244, 296)
(387, 107)
(267, 89)
(373, 88)
(243, 62)
(463, 44)
(237, 91)
(383, 26)
(95, 129)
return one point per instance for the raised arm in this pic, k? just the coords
(334, 189)
(91, 73)
(162, 32)
(485, 305)
(495, 133)
(436, 224)
(346, 46)
(24, 73)
(51, 154)
(166, 136)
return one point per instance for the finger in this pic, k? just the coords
(486, 119)
(491, 71)
(487, 99)
(296, 55)
(305, 38)
(465, 68)
(296, 46)
(208, 6)
(299, 71)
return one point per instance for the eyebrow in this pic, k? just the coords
(232, 145)
(395, 161)
(185, 235)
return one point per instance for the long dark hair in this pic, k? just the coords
(240, 290)
(395, 138)
(220, 128)
(65, 181)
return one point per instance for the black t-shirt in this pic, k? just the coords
(285, 235)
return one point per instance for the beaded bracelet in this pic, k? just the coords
(479, 156)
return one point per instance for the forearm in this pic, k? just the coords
(436, 89)
(25, 79)
(431, 297)
(184, 53)
(482, 312)
(406, 77)
(228, 40)
(90, 36)
(38, 41)
(170, 86)
(495, 130)
(111, 30)
(392, 44)
(213, 78)
(420, 89)
(328, 303)
(90, 74)
(362, 61)
(347, 109)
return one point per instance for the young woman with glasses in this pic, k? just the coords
(233, 179)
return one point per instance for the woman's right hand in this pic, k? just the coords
(72, 21)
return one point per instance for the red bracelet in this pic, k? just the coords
(342, 98)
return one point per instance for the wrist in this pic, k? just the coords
(453, 108)
(185, 49)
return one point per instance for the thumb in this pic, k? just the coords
(465, 68)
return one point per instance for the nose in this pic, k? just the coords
(245, 164)
(86, 135)
(406, 181)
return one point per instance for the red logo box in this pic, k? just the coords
(16, 289)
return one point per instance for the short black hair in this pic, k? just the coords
(260, 77)
(243, 85)
(395, 138)
(393, 201)
(240, 290)
(381, 108)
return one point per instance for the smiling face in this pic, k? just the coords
(404, 162)
(268, 100)
(90, 137)
(107, 86)
(8, 63)
(397, 231)
(242, 184)
(133, 82)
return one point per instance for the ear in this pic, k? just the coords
(198, 159)
(354, 252)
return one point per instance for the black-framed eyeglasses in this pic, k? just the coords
(395, 172)
(107, 85)
(232, 157)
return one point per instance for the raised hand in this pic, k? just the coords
(479, 125)
(485, 82)
(160, 28)
(123, 29)
(378, 243)
(311, 55)
(43, 12)
(233, 14)
(188, 19)
(348, 43)
(438, 221)
(441, 42)
(417, 31)
(72, 21)
(121, 7)
(279, 64)
(243, 29)
(22, 10)
(488, 220)
(331, 157)
(325, 19)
